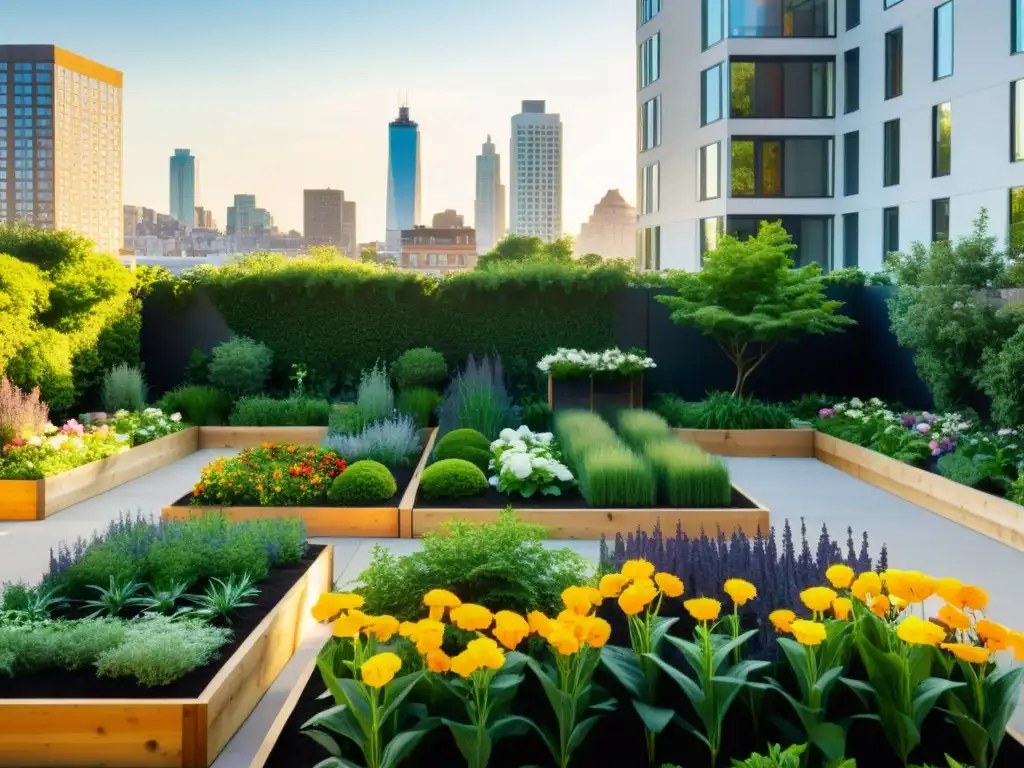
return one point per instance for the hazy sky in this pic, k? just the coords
(274, 96)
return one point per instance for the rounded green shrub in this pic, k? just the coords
(240, 366)
(452, 479)
(363, 482)
(420, 367)
(466, 444)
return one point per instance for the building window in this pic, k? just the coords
(852, 14)
(711, 92)
(894, 63)
(412, 259)
(1017, 121)
(710, 171)
(812, 235)
(784, 87)
(891, 3)
(891, 153)
(782, 18)
(710, 233)
(940, 219)
(1016, 234)
(650, 124)
(851, 163)
(649, 248)
(942, 58)
(942, 139)
(646, 10)
(713, 22)
(851, 239)
(649, 64)
(890, 231)
(775, 167)
(650, 188)
(1016, 26)
(851, 80)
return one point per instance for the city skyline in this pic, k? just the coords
(333, 125)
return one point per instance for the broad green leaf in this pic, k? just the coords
(336, 762)
(654, 718)
(340, 720)
(926, 694)
(829, 738)
(687, 726)
(825, 682)
(662, 624)
(326, 666)
(326, 741)
(796, 655)
(974, 736)
(1002, 689)
(864, 691)
(805, 713)
(356, 699)
(466, 740)
(512, 725)
(579, 733)
(624, 666)
(693, 652)
(885, 672)
(722, 653)
(396, 692)
(559, 700)
(514, 663)
(921, 658)
(690, 687)
(401, 746)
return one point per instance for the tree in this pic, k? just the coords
(749, 298)
(519, 249)
(324, 254)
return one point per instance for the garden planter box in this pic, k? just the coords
(38, 499)
(165, 733)
(377, 522)
(984, 513)
(596, 393)
(788, 443)
(252, 437)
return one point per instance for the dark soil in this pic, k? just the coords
(618, 738)
(84, 684)
(402, 477)
(494, 499)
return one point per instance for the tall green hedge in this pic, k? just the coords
(338, 318)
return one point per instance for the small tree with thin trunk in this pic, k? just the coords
(748, 297)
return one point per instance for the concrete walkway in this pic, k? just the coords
(793, 488)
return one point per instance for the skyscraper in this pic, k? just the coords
(611, 230)
(60, 143)
(536, 170)
(183, 187)
(403, 209)
(348, 227)
(322, 217)
(489, 211)
(246, 220)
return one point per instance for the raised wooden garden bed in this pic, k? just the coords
(787, 443)
(169, 733)
(982, 512)
(38, 499)
(252, 437)
(596, 393)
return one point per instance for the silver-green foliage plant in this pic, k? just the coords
(394, 441)
(124, 389)
(376, 399)
(158, 650)
(240, 366)
(35, 646)
(477, 399)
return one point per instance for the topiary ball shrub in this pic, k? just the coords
(363, 482)
(420, 367)
(452, 479)
(467, 444)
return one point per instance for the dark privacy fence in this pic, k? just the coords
(864, 360)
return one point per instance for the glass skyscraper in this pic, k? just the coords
(183, 187)
(403, 176)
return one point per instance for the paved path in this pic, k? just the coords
(793, 488)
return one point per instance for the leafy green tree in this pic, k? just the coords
(590, 260)
(749, 298)
(519, 249)
(323, 254)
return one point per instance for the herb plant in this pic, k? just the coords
(224, 598)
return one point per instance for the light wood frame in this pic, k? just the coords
(786, 443)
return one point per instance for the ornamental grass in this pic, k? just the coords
(687, 476)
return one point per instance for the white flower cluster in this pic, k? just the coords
(527, 462)
(609, 361)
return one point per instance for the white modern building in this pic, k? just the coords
(536, 171)
(489, 211)
(864, 125)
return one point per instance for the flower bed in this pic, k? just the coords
(595, 380)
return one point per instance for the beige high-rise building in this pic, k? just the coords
(322, 215)
(61, 143)
(448, 219)
(611, 231)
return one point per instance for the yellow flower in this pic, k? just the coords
(465, 664)
(818, 599)
(839, 576)
(380, 670)
(969, 653)
(539, 623)
(973, 597)
(914, 630)
(330, 604)
(954, 618)
(703, 608)
(438, 662)
(868, 583)
(406, 628)
(596, 631)
(671, 585)
(898, 602)
(740, 591)
(879, 605)
(1015, 640)
(911, 586)
(949, 590)
(382, 627)
(563, 638)
(486, 652)
(439, 599)
(841, 607)
(782, 620)
(637, 569)
(612, 584)
(808, 632)
(595, 595)
(577, 599)
(992, 632)
(471, 616)
(636, 597)
(510, 629)
(351, 623)
(427, 634)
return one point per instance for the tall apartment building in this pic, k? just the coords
(449, 218)
(404, 177)
(350, 245)
(204, 218)
(863, 125)
(536, 172)
(489, 208)
(322, 217)
(246, 220)
(611, 229)
(183, 187)
(60, 143)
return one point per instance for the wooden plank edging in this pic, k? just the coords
(251, 437)
(259, 760)
(797, 442)
(405, 506)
